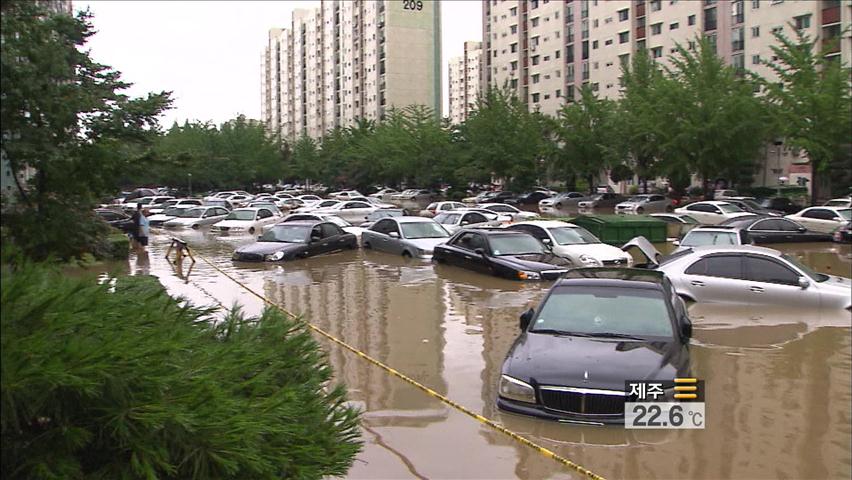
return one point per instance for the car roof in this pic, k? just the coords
(547, 223)
(613, 277)
(717, 228)
(308, 223)
(711, 202)
(411, 219)
(495, 231)
(708, 249)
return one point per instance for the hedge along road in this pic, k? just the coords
(778, 381)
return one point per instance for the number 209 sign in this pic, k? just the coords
(415, 5)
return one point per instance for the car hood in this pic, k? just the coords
(629, 204)
(535, 262)
(739, 214)
(234, 223)
(593, 363)
(836, 284)
(265, 248)
(600, 251)
(159, 217)
(426, 244)
(183, 221)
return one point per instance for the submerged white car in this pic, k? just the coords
(343, 224)
(246, 220)
(575, 243)
(712, 212)
(822, 219)
(504, 209)
(197, 217)
(455, 220)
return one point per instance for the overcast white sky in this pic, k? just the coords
(208, 53)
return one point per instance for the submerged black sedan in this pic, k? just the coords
(770, 229)
(595, 329)
(297, 239)
(509, 254)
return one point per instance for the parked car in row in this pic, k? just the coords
(747, 275)
(503, 209)
(145, 202)
(844, 202)
(343, 224)
(218, 202)
(197, 217)
(712, 212)
(562, 200)
(175, 202)
(780, 204)
(435, 208)
(575, 243)
(645, 203)
(602, 200)
(158, 219)
(455, 220)
(250, 220)
(345, 194)
(712, 235)
(384, 194)
(414, 195)
(503, 253)
(490, 197)
(351, 211)
(678, 218)
(749, 204)
(413, 237)
(770, 229)
(296, 239)
(316, 206)
(383, 213)
(595, 329)
(529, 198)
(822, 219)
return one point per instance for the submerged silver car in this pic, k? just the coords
(406, 236)
(748, 275)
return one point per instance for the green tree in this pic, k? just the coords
(130, 383)
(716, 125)
(811, 99)
(586, 135)
(305, 163)
(63, 115)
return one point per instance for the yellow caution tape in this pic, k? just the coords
(491, 423)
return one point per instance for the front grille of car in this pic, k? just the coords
(248, 257)
(582, 401)
(223, 229)
(552, 274)
(615, 263)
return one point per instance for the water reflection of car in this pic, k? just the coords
(296, 239)
(503, 253)
(772, 229)
(843, 233)
(457, 219)
(747, 275)
(413, 237)
(197, 217)
(575, 243)
(822, 219)
(244, 220)
(562, 200)
(602, 200)
(595, 329)
(645, 203)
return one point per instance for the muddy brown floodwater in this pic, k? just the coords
(778, 380)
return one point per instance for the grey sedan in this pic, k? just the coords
(406, 236)
(749, 275)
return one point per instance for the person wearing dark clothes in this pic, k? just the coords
(134, 229)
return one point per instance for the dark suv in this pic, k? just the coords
(595, 329)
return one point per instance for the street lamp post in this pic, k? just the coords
(189, 177)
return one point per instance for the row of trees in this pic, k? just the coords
(696, 116)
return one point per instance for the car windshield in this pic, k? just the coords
(573, 236)
(144, 200)
(515, 245)
(415, 230)
(174, 211)
(697, 238)
(752, 204)
(596, 311)
(638, 199)
(168, 203)
(730, 208)
(379, 214)
(338, 221)
(286, 234)
(816, 276)
(447, 218)
(241, 215)
(328, 203)
(193, 213)
(845, 214)
(688, 219)
(837, 203)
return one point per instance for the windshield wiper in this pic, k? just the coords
(615, 335)
(554, 331)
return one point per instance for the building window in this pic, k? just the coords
(535, 60)
(755, 3)
(536, 78)
(656, 5)
(755, 59)
(777, 30)
(584, 29)
(533, 4)
(569, 73)
(657, 52)
(755, 32)
(624, 60)
(585, 50)
(623, 15)
(656, 28)
(513, 47)
(595, 45)
(595, 87)
(514, 65)
(534, 22)
(556, 54)
(624, 37)
(558, 93)
(802, 21)
(710, 19)
(585, 71)
(608, 41)
(513, 29)
(738, 39)
(513, 11)
(738, 12)
(595, 23)
(547, 96)
(674, 26)
(738, 62)
(535, 98)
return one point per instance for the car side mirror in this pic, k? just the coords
(526, 318)
(676, 243)
(315, 238)
(804, 282)
(686, 329)
(479, 252)
(801, 229)
(464, 223)
(546, 241)
(393, 234)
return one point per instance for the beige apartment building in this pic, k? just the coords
(464, 82)
(349, 60)
(547, 49)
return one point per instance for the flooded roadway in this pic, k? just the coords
(778, 380)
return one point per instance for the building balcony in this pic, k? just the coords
(640, 32)
(640, 9)
(831, 45)
(830, 15)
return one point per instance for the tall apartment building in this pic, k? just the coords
(464, 82)
(546, 50)
(350, 60)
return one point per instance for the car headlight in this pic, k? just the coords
(529, 275)
(274, 257)
(514, 389)
(590, 261)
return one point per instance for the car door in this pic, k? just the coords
(470, 243)
(264, 217)
(819, 219)
(316, 246)
(333, 237)
(380, 234)
(769, 281)
(715, 279)
(699, 211)
(768, 231)
(356, 212)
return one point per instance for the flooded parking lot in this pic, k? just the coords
(778, 380)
